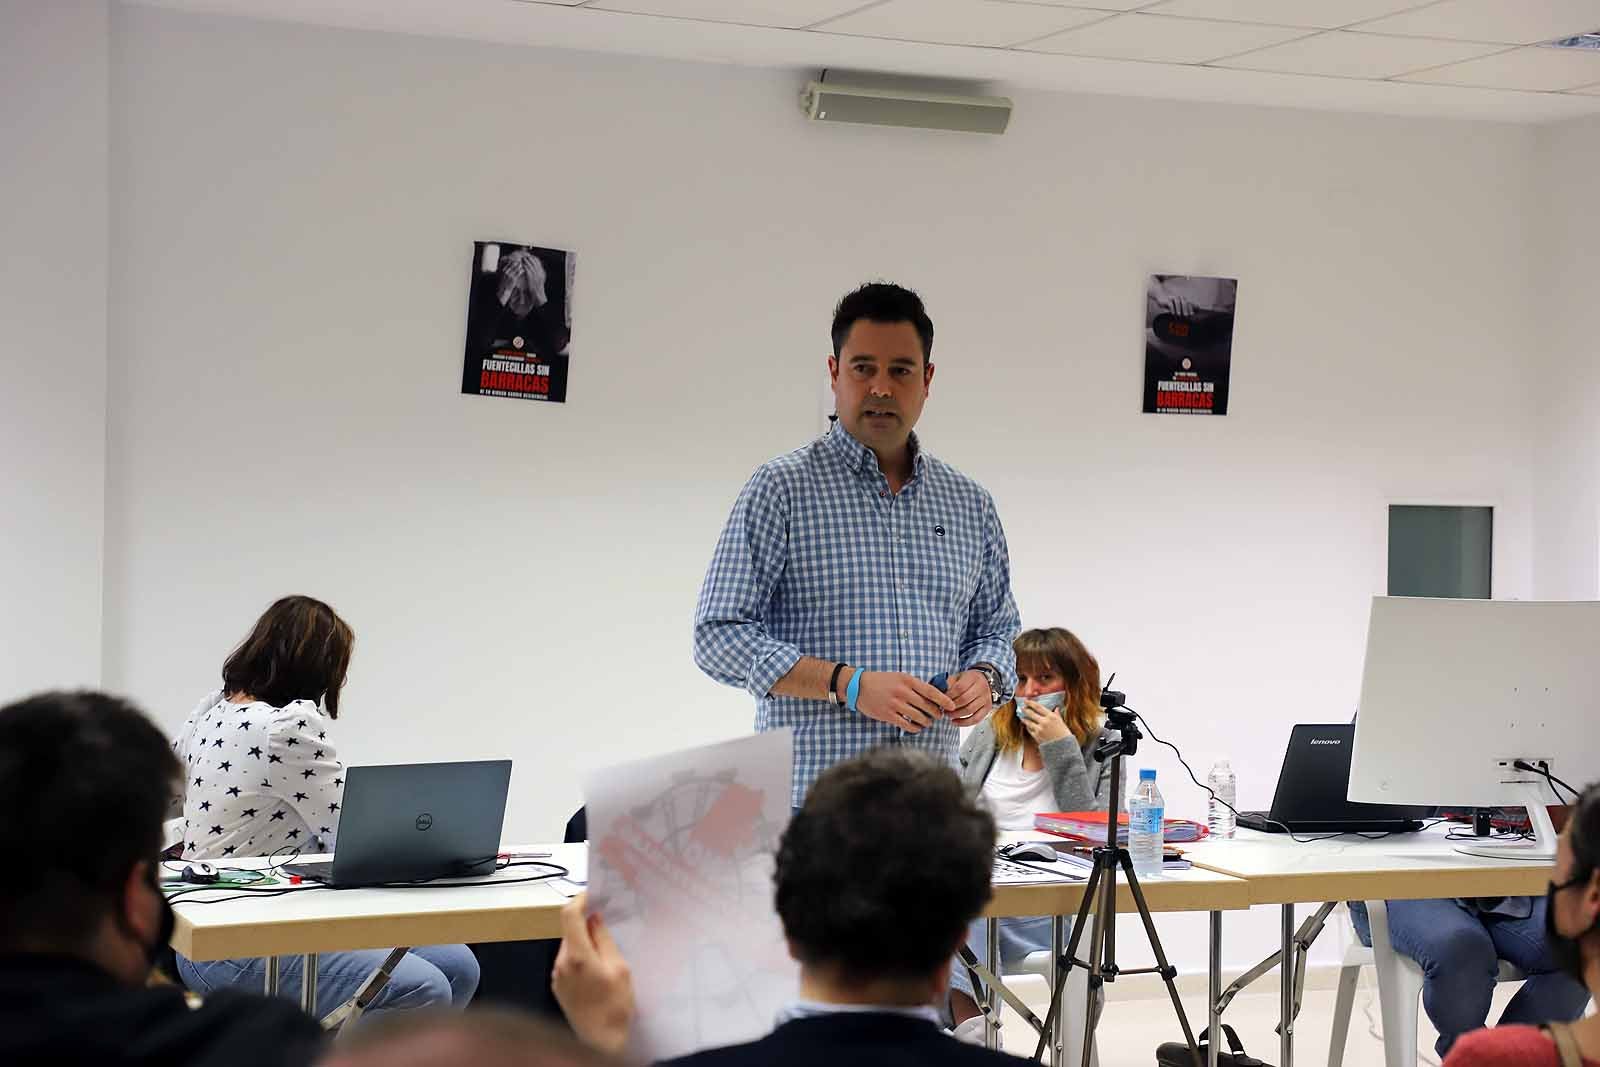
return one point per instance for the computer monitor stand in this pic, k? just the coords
(1543, 845)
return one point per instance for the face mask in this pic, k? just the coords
(165, 925)
(1052, 701)
(169, 921)
(1564, 951)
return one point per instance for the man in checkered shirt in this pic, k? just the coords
(856, 569)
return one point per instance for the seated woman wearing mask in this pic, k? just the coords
(262, 778)
(1572, 932)
(1032, 755)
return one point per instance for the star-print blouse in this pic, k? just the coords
(258, 780)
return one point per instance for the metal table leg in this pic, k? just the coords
(272, 976)
(308, 985)
(1286, 972)
(991, 1033)
(1214, 991)
(1057, 1027)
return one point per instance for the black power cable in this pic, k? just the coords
(1298, 838)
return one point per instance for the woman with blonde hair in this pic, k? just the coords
(1031, 755)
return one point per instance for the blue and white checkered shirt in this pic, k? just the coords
(819, 558)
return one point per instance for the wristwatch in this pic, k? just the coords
(992, 676)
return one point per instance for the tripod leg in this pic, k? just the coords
(1168, 973)
(1069, 959)
(1104, 917)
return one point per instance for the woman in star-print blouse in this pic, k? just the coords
(262, 778)
(259, 780)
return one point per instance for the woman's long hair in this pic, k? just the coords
(298, 650)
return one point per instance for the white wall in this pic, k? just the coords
(294, 215)
(1568, 464)
(53, 227)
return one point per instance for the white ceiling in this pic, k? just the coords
(1452, 58)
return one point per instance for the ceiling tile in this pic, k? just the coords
(1312, 14)
(1095, 5)
(1503, 21)
(974, 22)
(1161, 39)
(1341, 54)
(1536, 69)
(788, 14)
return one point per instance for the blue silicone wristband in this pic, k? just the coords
(853, 690)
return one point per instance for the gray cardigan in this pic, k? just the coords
(1079, 782)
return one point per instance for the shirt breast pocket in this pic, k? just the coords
(955, 562)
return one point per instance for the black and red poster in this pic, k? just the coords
(1188, 344)
(519, 322)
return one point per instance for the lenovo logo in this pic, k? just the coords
(1327, 741)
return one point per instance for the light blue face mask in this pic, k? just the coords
(1053, 701)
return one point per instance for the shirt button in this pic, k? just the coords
(905, 633)
(884, 493)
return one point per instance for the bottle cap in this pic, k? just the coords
(1147, 774)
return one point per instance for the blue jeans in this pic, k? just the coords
(1019, 938)
(1459, 951)
(429, 976)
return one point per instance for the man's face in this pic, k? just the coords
(880, 383)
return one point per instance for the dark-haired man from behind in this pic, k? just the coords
(85, 780)
(877, 877)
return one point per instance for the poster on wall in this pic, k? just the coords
(519, 322)
(1188, 344)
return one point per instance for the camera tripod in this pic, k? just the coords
(1101, 892)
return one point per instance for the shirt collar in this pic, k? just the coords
(861, 459)
(811, 1009)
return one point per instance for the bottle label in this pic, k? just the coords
(1146, 820)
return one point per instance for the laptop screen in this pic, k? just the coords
(1316, 776)
(408, 822)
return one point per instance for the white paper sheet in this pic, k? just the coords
(1009, 872)
(681, 852)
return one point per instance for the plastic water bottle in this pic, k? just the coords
(1220, 816)
(1146, 809)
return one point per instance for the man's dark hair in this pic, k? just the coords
(882, 870)
(1584, 836)
(298, 650)
(882, 302)
(85, 781)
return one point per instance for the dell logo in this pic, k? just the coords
(1326, 741)
(424, 821)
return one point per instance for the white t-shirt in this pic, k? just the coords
(1014, 796)
(258, 779)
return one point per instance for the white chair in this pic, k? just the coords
(1072, 998)
(1399, 992)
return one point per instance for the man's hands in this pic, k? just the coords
(903, 700)
(969, 692)
(912, 704)
(592, 981)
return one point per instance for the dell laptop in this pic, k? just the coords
(414, 822)
(1310, 798)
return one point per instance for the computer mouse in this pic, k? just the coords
(1030, 850)
(200, 874)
